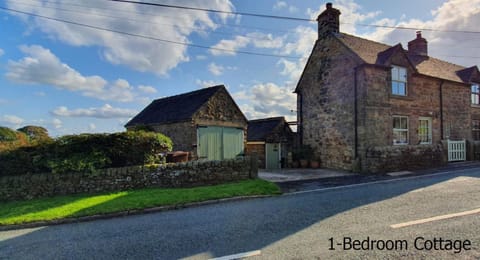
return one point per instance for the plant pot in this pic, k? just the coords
(303, 163)
(314, 164)
(295, 164)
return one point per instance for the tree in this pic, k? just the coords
(36, 134)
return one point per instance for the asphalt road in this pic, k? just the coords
(305, 225)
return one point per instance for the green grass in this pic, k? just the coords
(18, 212)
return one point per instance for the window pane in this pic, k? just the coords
(396, 122)
(403, 123)
(402, 74)
(400, 137)
(395, 73)
(394, 87)
(401, 88)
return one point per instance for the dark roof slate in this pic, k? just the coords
(175, 108)
(372, 52)
(258, 130)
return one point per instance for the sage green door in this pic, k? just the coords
(218, 143)
(272, 156)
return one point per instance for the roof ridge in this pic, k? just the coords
(365, 39)
(189, 93)
(267, 119)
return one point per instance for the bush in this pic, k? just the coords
(11, 139)
(7, 134)
(86, 153)
(36, 134)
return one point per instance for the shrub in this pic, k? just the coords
(86, 153)
(11, 139)
(7, 134)
(36, 134)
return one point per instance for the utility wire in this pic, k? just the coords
(286, 17)
(197, 29)
(150, 37)
(216, 11)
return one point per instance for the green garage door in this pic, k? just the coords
(218, 143)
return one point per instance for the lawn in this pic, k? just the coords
(18, 212)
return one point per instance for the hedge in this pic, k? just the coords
(86, 153)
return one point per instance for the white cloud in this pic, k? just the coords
(155, 56)
(147, 89)
(105, 111)
(92, 127)
(41, 66)
(57, 123)
(255, 39)
(207, 83)
(215, 69)
(267, 100)
(2, 52)
(282, 4)
(12, 121)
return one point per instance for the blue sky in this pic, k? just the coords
(72, 79)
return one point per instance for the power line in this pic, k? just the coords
(137, 20)
(217, 11)
(150, 37)
(286, 17)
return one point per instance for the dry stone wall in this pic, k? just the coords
(181, 175)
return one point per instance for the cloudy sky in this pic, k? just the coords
(94, 78)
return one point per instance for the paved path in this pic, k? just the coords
(295, 226)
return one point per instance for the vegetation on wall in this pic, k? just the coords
(85, 153)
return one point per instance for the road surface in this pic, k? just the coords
(422, 217)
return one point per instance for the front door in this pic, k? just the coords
(273, 152)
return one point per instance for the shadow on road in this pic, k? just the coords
(216, 230)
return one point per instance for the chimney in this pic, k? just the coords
(418, 46)
(328, 21)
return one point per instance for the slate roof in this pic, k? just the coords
(372, 52)
(175, 108)
(258, 130)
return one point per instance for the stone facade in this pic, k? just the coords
(346, 107)
(191, 174)
(257, 148)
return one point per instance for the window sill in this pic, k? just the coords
(475, 105)
(400, 97)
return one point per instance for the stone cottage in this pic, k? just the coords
(207, 123)
(272, 140)
(370, 107)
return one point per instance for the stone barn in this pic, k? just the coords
(207, 123)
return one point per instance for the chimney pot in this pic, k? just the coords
(418, 46)
(419, 34)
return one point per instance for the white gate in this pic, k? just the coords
(456, 151)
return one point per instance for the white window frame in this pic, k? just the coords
(400, 129)
(429, 129)
(475, 94)
(397, 79)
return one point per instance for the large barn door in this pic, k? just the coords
(218, 143)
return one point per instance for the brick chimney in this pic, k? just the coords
(328, 21)
(418, 46)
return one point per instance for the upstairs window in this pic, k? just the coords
(475, 94)
(399, 81)
(400, 130)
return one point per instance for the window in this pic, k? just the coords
(399, 81)
(475, 94)
(476, 129)
(400, 130)
(425, 130)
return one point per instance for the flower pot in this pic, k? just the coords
(303, 163)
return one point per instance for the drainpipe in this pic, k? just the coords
(355, 114)
(441, 109)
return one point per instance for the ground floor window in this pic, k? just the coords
(400, 130)
(425, 130)
(476, 129)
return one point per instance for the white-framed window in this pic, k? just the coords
(425, 130)
(476, 129)
(400, 130)
(475, 94)
(399, 81)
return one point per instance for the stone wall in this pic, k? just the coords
(382, 159)
(191, 174)
(259, 150)
(183, 135)
(326, 110)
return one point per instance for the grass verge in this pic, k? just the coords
(20, 212)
